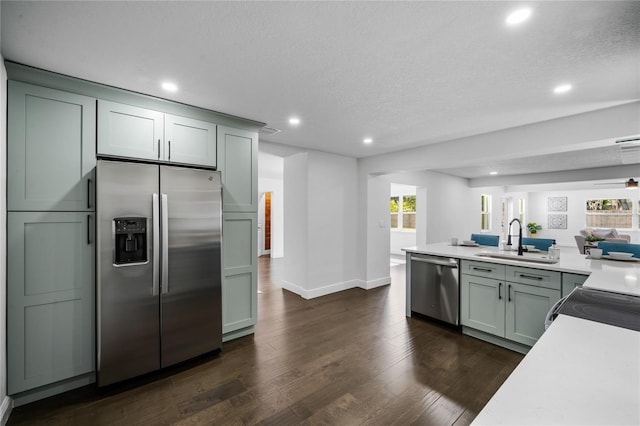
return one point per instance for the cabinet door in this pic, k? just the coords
(50, 298)
(571, 281)
(482, 304)
(189, 141)
(128, 131)
(238, 161)
(51, 149)
(527, 307)
(240, 279)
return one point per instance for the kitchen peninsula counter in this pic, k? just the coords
(608, 275)
(579, 372)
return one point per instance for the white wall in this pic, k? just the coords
(320, 196)
(332, 193)
(445, 209)
(296, 233)
(6, 403)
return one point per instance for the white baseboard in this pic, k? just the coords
(320, 291)
(5, 409)
(368, 285)
(334, 288)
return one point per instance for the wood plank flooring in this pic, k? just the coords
(350, 358)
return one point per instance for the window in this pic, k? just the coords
(521, 210)
(403, 212)
(394, 208)
(485, 212)
(610, 213)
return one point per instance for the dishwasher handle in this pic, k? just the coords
(447, 263)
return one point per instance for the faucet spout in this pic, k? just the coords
(520, 250)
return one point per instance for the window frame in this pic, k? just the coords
(485, 212)
(631, 213)
(401, 213)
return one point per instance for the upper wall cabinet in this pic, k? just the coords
(51, 149)
(129, 131)
(189, 141)
(238, 157)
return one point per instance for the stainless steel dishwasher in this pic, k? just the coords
(435, 287)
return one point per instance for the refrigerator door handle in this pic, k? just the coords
(156, 245)
(164, 214)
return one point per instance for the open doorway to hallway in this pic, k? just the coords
(264, 224)
(403, 215)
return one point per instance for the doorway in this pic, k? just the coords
(403, 215)
(264, 224)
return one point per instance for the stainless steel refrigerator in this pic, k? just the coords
(158, 267)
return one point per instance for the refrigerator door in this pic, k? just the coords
(128, 312)
(191, 307)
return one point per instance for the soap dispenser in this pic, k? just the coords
(554, 251)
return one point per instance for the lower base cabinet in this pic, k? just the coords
(527, 307)
(510, 310)
(239, 274)
(50, 298)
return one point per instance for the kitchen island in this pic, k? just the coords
(579, 371)
(609, 275)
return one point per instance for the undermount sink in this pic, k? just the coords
(514, 256)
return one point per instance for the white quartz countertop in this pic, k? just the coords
(609, 275)
(579, 372)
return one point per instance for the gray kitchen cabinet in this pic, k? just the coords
(239, 270)
(238, 162)
(129, 131)
(134, 132)
(482, 304)
(571, 281)
(527, 307)
(189, 141)
(508, 302)
(50, 149)
(50, 298)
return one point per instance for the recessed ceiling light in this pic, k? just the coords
(493, 173)
(169, 87)
(367, 140)
(518, 16)
(294, 121)
(563, 88)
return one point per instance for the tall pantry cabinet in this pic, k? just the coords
(51, 246)
(238, 160)
(56, 127)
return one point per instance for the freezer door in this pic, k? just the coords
(191, 319)
(128, 317)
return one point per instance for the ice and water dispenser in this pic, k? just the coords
(130, 240)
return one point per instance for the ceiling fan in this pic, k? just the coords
(629, 184)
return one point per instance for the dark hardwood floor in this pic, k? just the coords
(349, 358)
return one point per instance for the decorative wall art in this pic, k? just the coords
(557, 221)
(557, 204)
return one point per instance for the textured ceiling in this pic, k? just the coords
(404, 73)
(575, 160)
